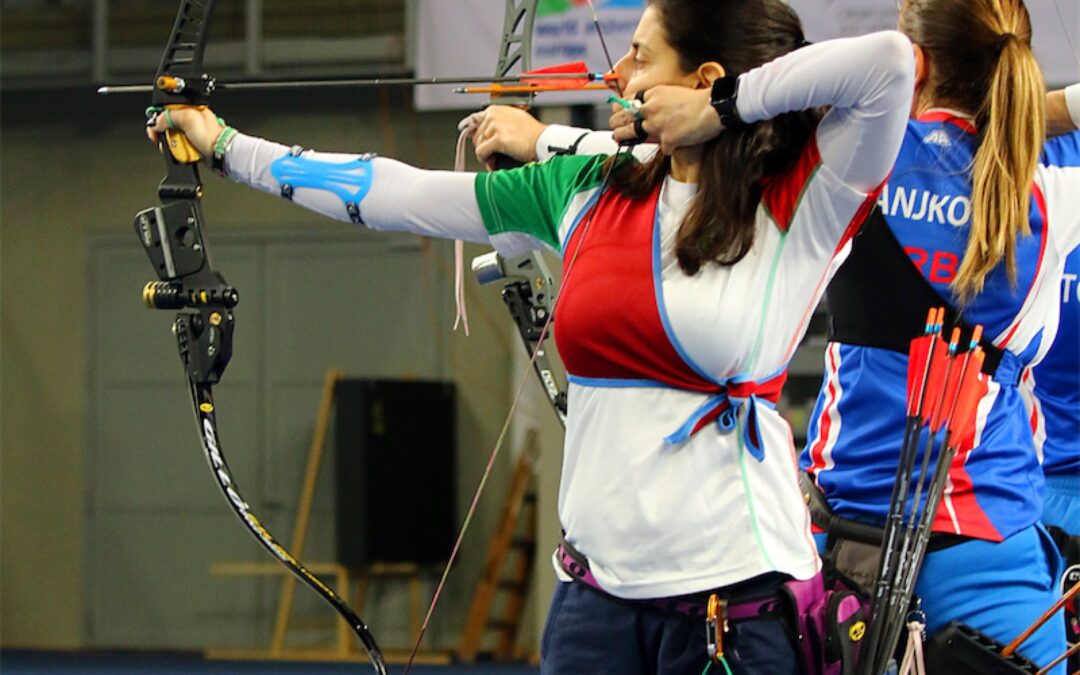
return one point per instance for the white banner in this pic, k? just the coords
(462, 37)
(1054, 23)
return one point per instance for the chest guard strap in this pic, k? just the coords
(878, 298)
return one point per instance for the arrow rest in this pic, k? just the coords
(196, 89)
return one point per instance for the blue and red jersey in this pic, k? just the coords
(1055, 384)
(855, 432)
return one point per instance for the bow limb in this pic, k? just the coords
(172, 235)
(515, 50)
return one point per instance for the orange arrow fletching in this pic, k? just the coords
(962, 432)
(917, 355)
(496, 89)
(972, 389)
(541, 79)
(919, 378)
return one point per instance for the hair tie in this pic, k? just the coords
(1003, 40)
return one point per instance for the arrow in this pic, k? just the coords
(575, 72)
(944, 390)
(495, 90)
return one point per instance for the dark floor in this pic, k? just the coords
(19, 662)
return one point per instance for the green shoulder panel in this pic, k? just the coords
(533, 198)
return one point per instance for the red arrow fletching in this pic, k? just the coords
(916, 374)
(935, 381)
(918, 352)
(559, 69)
(950, 380)
(972, 389)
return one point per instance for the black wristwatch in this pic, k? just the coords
(724, 92)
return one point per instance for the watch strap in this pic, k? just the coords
(725, 91)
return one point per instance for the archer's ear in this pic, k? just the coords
(709, 72)
(922, 67)
(922, 79)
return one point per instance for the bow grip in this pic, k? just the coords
(182, 149)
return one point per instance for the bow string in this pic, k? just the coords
(529, 294)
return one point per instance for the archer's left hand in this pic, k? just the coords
(199, 123)
(505, 130)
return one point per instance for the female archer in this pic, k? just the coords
(1002, 212)
(987, 214)
(688, 282)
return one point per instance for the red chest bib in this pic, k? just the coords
(611, 327)
(610, 321)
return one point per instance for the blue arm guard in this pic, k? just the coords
(350, 181)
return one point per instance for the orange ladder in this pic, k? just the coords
(516, 532)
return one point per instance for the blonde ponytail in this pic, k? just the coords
(980, 53)
(1012, 126)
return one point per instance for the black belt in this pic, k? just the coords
(842, 528)
(878, 298)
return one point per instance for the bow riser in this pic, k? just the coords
(172, 236)
(182, 62)
(528, 289)
(515, 50)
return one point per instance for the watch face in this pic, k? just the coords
(723, 100)
(724, 89)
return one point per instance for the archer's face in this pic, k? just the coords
(651, 60)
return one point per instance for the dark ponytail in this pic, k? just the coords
(740, 35)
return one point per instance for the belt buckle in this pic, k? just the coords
(716, 624)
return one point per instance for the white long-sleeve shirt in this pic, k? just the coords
(659, 518)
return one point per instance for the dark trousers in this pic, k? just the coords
(589, 633)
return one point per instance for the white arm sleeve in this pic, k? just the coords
(1072, 102)
(867, 81)
(402, 197)
(1058, 176)
(557, 139)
